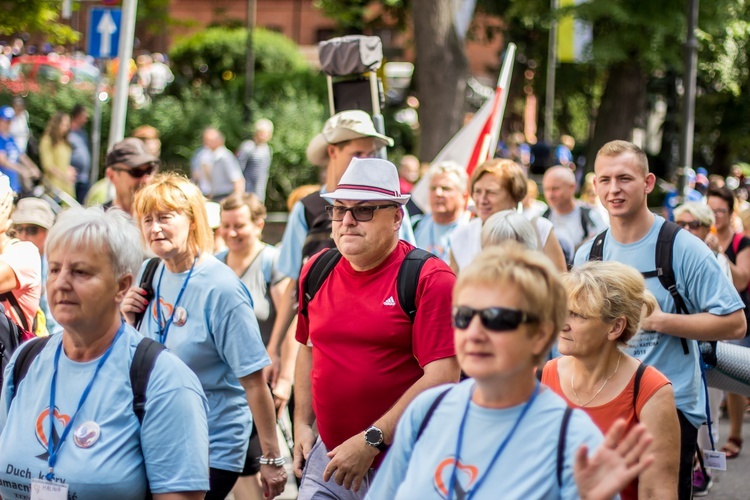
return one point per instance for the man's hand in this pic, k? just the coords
(350, 461)
(271, 372)
(304, 439)
(651, 323)
(615, 464)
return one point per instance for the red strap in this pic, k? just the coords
(736, 239)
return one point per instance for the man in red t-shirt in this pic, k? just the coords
(362, 359)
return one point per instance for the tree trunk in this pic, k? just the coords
(623, 101)
(441, 71)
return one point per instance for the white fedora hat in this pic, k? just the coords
(369, 179)
(344, 126)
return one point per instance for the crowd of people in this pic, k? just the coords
(492, 338)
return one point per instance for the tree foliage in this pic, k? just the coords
(35, 16)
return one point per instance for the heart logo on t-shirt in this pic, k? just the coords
(466, 475)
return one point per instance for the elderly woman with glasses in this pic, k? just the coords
(499, 185)
(69, 422)
(605, 304)
(202, 312)
(500, 432)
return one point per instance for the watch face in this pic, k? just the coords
(374, 436)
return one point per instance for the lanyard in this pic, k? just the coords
(163, 332)
(499, 451)
(51, 448)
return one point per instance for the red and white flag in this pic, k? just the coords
(477, 140)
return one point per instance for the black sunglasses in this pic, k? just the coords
(694, 224)
(137, 173)
(496, 319)
(361, 213)
(31, 230)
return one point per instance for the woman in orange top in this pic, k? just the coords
(605, 301)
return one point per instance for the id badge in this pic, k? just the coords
(715, 459)
(48, 490)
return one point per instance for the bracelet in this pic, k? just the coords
(277, 462)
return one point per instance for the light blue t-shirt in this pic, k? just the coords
(168, 453)
(527, 468)
(435, 238)
(295, 232)
(704, 288)
(53, 327)
(219, 341)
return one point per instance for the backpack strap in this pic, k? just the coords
(664, 270)
(586, 221)
(637, 386)
(736, 240)
(547, 213)
(146, 283)
(317, 275)
(408, 279)
(25, 358)
(143, 363)
(561, 444)
(430, 411)
(13, 301)
(597, 248)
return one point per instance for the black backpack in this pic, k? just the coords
(143, 363)
(11, 337)
(586, 222)
(408, 278)
(318, 226)
(663, 261)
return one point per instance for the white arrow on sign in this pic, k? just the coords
(106, 28)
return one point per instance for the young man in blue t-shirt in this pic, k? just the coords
(622, 183)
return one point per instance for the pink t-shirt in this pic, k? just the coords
(365, 351)
(23, 258)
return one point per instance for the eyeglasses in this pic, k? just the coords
(30, 229)
(361, 213)
(693, 224)
(496, 319)
(137, 173)
(720, 211)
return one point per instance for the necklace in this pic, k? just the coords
(572, 375)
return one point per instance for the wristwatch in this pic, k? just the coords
(374, 438)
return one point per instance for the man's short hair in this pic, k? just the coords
(77, 110)
(263, 124)
(451, 167)
(617, 148)
(561, 172)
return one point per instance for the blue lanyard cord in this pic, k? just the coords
(708, 406)
(499, 451)
(51, 448)
(164, 331)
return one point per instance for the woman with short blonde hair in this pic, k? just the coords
(203, 313)
(606, 301)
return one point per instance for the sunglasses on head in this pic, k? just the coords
(693, 224)
(495, 319)
(137, 173)
(361, 213)
(31, 230)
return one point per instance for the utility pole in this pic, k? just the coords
(250, 59)
(688, 107)
(122, 82)
(549, 98)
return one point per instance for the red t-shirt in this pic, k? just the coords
(365, 351)
(604, 416)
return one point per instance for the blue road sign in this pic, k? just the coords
(104, 32)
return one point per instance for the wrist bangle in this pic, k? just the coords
(277, 462)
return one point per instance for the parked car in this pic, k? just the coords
(51, 69)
